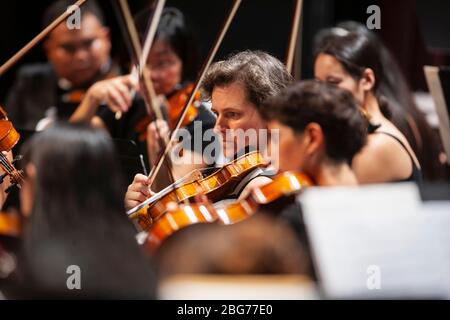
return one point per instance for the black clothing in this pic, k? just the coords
(416, 174)
(125, 127)
(37, 93)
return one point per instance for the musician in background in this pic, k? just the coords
(172, 63)
(77, 58)
(405, 115)
(351, 62)
(320, 131)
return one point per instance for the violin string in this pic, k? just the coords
(5, 163)
(9, 168)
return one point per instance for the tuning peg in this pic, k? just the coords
(17, 158)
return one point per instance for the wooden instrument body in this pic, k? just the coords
(215, 186)
(174, 105)
(8, 139)
(283, 186)
(8, 135)
(10, 224)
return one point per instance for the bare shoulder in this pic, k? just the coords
(383, 159)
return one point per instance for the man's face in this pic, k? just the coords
(77, 55)
(237, 118)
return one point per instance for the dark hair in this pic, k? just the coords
(261, 74)
(355, 52)
(173, 28)
(258, 245)
(76, 166)
(404, 112)
(334, 109)
(59, 7)
(78, 218)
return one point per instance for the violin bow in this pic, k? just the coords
(137, 53)
(298, 6)
(139, 57)
(30, 45)
(207, 63)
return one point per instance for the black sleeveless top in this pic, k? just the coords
(416, 174)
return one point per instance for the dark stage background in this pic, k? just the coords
(263, 24)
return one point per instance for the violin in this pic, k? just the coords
(8, 139)
(175, 104)
(10, 224)
(283, 186)
(214, 185)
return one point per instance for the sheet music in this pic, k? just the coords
(386, 244)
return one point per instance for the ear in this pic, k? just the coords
(368, 79)
(314, 138)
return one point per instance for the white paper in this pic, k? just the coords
(379, 241)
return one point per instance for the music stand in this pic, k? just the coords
(378, 241)
(438, 79)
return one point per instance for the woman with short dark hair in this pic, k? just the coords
(321, 130)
